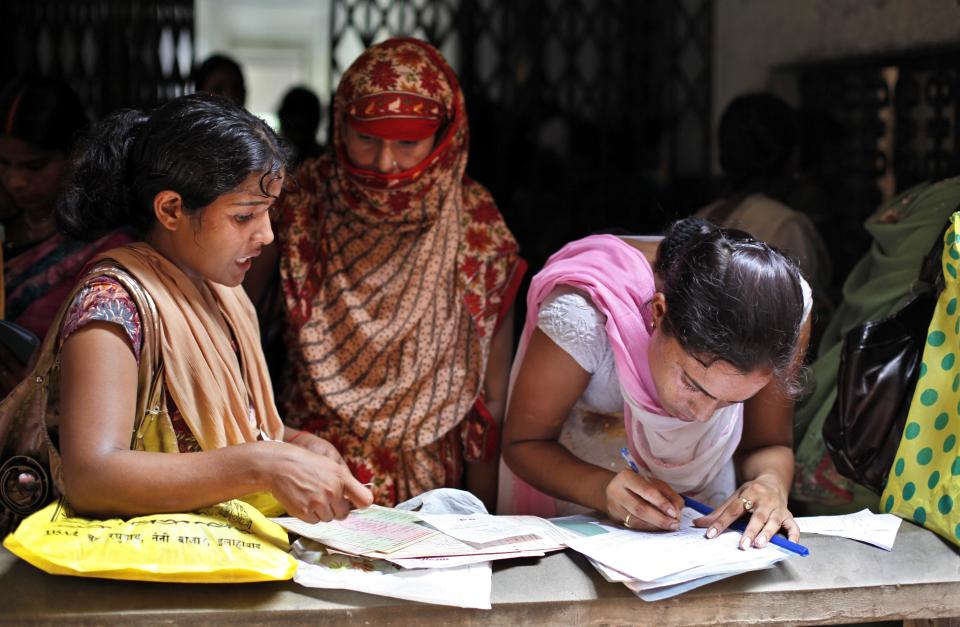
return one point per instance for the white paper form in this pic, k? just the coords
(545, 529)
(466, 586)
(679, 583)
(650, 556)
(749, 560)
(485, 528)
(877, 529)
(745, 561)
(441, 545)
(371, 530)
(665, 592)
(460, 560)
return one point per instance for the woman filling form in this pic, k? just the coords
(698, 340)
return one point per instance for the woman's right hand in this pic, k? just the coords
(313, 487)
(650, 503)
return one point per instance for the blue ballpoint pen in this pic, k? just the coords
(704, 509)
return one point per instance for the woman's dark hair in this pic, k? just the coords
(200, 146)
(43, 112)
(230, 83)
(300, 112)
(732, 298)
(755, 139)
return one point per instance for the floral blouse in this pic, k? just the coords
(104, 299)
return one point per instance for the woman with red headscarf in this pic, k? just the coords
(399, 276)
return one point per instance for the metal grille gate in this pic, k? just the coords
(584, 112)
(115, 53)
(876, 127)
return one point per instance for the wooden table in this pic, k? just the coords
(842, 581)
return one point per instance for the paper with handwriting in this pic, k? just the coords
(877, 529)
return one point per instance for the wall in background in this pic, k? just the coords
(754, 37)
(279, 44)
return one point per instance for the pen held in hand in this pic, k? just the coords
(704, 509)
(629, 459)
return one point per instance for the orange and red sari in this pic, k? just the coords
(394, 285)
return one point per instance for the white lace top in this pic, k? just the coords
(569, 318)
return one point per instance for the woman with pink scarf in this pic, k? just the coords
(698, 339)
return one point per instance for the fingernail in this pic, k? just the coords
(712, 532)
(761, 540)
(745, 543)
(671, 513)
(674, 525)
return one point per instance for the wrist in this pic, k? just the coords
(601, 493)
(773, 479)
(296, 435)
(263, 467)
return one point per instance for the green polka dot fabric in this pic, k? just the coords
(924, 482)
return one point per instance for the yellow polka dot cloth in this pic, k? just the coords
(924, 483)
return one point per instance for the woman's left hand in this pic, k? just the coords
(765, 499)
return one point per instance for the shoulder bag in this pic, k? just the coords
(879, 365)
(30, 471)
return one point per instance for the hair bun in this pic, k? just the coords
(97, 196)
(679, 236)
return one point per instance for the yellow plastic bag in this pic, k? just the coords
(924, 483)
(266, 504)
(230, 542)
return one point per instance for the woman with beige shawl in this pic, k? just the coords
(158, 346)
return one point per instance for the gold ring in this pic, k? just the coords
(747, 504)
(626, 521)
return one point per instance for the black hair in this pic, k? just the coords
(219, 63)
(200, 146)
(44, 112)
(300, 112)
(756, 137)
(732, 298)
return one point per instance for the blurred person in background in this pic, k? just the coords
(221, 75)
(41, 118)
(300, 114)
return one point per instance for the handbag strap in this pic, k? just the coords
(150, 370)
(931, 268)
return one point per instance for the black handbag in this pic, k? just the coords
(879, 366)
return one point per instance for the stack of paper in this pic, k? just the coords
(445, 558)
(376, 545)
(463, 586)
(657, 565)
(431, 540)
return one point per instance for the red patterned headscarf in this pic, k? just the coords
(395, 282)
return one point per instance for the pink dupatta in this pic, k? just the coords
(620, 282)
